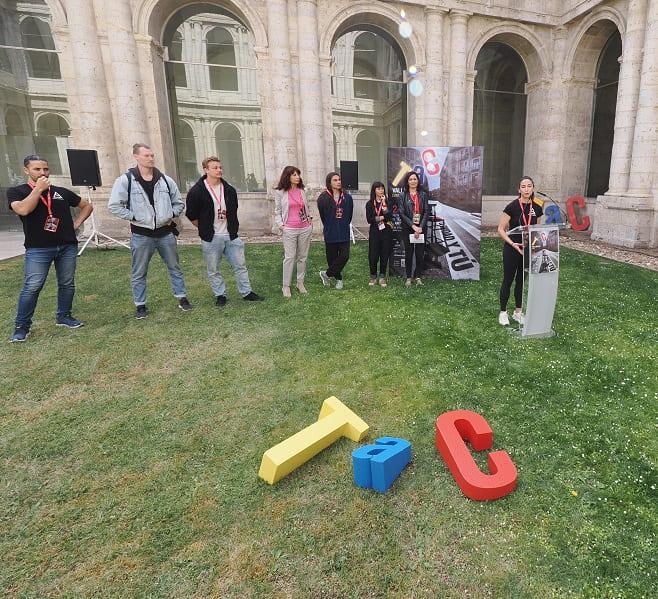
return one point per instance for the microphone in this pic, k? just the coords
(563, 215)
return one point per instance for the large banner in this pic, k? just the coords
(453, 178)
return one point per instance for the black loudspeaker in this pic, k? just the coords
(349, 174)
(83, 165)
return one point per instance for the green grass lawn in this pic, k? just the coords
(129, 450)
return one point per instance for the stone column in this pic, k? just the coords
(627, 96)
(281, 84)
(434, 75)
(645, 138)
(545, 146)
(457, 88)
(630, 219)
(93, 114)
(312, 126)
(129, 112)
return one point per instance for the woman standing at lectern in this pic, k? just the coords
(523, 211)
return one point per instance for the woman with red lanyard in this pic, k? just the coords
(414, 210)
(291, 215)
(335, 207)
(380, 237)
(523, 211)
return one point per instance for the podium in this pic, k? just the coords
(541, 269)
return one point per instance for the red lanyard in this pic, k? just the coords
(214, 195)
(340, 198)
(379, 210)
(526, 222)
(416, 201)
(48, 202)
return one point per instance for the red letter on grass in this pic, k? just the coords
(452, 428)
(576, 224)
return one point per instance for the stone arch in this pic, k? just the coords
(588, 40)
(57, 12)
(523, 40)
(380, 16)
(150, 17)
(580, 69)
(44, 113)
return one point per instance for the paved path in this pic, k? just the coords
(11, 244)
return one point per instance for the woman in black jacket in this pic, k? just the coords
(380, 237)
(414, 210)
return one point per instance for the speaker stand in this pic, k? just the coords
(95, 233)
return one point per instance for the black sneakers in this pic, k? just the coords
(141, 312)
(184, 304)
(253, 297)
(220, 300)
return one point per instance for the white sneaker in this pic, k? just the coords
(372, 282)
(518, 316)
(325, 278)
(286, 291)
(503, 319)
(407, 283)
(339, 284)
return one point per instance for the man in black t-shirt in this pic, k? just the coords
(49, 238)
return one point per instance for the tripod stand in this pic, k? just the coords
(95, 233)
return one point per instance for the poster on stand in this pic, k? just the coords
(544, 251)
(452, 176)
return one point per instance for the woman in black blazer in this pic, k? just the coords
(413, 206)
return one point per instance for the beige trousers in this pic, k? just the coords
(296, 243)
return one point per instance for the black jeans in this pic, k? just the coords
(512, 267)
(380, 244)
(337, 256)
(413, 249)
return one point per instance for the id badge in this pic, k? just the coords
(303, 217)
(381, 226)
(339, 213)
(221, 214)
(416, 218)
(51, 224)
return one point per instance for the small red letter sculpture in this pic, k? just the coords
(451, 430)
(576, 223)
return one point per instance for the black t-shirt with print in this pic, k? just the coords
(61, 200)
(513, 210)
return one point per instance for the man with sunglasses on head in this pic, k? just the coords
(49, 229)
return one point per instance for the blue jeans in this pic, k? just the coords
(222, 245)
(37, 265)
(142, 248)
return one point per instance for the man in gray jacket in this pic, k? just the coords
(150, 201)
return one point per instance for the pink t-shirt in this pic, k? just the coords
(297, 216)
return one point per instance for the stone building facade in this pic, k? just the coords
(563, 90)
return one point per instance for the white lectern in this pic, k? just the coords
(541, 269)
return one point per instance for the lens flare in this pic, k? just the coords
(405, 29)
(413, 70)
(415, 88)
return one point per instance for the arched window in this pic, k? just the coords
(176, 54)
(229, 150)
(499, 116)
(603, 122)
(30, 55)
(220, 51)
(368, 94)
(190, 167)
(228, 124)
(51, 141)
(35, 33)
(5, 61)
(369, 158)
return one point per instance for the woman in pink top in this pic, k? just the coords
(291, 215)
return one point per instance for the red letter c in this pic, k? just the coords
(452, 428)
